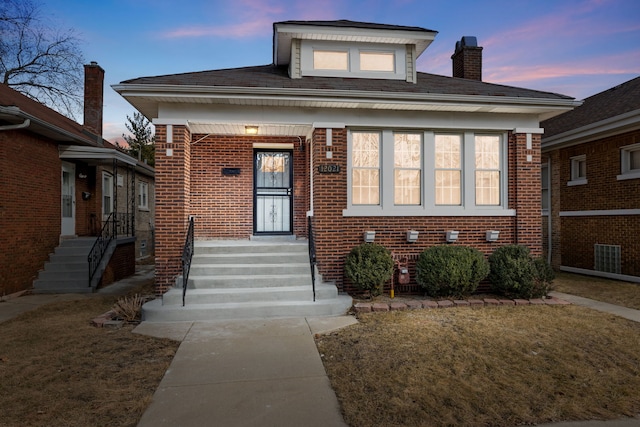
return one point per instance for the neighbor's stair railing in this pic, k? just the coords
(187, 254)
(107, 234)
(312, 255)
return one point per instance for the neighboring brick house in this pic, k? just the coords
(60, 180)
(343, 129)
(591, 185)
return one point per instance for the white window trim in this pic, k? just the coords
(572, 169)
(145, 206)
(428, 206)
(625, 171)
(354, 49)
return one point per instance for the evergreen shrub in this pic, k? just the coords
(447, 270)
(369, 266)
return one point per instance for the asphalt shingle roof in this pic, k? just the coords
(271, 76)
(11, 98)
(354, 24)
(609, 103)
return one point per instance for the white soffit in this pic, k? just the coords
(269, 129)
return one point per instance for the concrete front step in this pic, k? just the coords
(251, 258)
(238, 295)
(62, 274)
(203, 247)
(249, 269)
(154, 311)
(69, 266)
(242, 281)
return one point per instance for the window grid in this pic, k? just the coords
(366, 169)
(448, 169)
(487, 150)
(407, 169)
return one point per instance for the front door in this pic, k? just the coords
(68, 202)
(273, 192)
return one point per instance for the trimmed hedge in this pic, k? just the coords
(516, 274)
(369, 266)
(447, 270)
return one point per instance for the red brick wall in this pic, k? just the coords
(574, 237)
(191, 183)
(552, 159)
(172, 202)
(223, 204)
(525, 181)
(603, 190)
(29, 207)
(120, 265)
(335, 235)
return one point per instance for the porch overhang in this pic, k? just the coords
(94, 155)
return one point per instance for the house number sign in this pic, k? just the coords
(329, 168)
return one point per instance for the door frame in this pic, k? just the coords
(289, 151)
(68, 224)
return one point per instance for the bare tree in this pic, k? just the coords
(39, 60)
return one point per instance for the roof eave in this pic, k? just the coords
(132, 91)
(45, 128)
(604, 128)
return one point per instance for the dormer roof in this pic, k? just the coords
(346, 31)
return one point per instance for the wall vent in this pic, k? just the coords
(607, 258)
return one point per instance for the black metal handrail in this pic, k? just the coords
(107, 234)
(312, 255)
(187, 255)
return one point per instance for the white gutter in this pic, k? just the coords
(184, 91)
(22, 125)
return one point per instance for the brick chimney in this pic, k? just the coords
(93, 97)
(467, 59)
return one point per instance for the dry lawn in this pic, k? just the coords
(501, 366)
(612, 291)
(57, 370)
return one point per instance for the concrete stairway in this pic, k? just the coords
(67, 270)
(248, 279)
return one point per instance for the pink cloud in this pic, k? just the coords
(255, 18)
(623, 63)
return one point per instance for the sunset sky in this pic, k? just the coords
(574, 47)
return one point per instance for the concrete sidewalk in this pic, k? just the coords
(245, 373)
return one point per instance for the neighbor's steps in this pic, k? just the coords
(67, 270)
(248, 279)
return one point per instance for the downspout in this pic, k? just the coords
(22, 125)
(550, 214)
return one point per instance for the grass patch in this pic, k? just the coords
(500, 366)
(612, 291)
(57, 370)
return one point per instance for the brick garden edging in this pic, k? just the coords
(368, 307)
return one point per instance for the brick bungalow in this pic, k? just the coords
(341, 128)
(591, 185)
(60, 182)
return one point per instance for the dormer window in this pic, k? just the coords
(359, 60)
(377, 61)
(330, 60)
